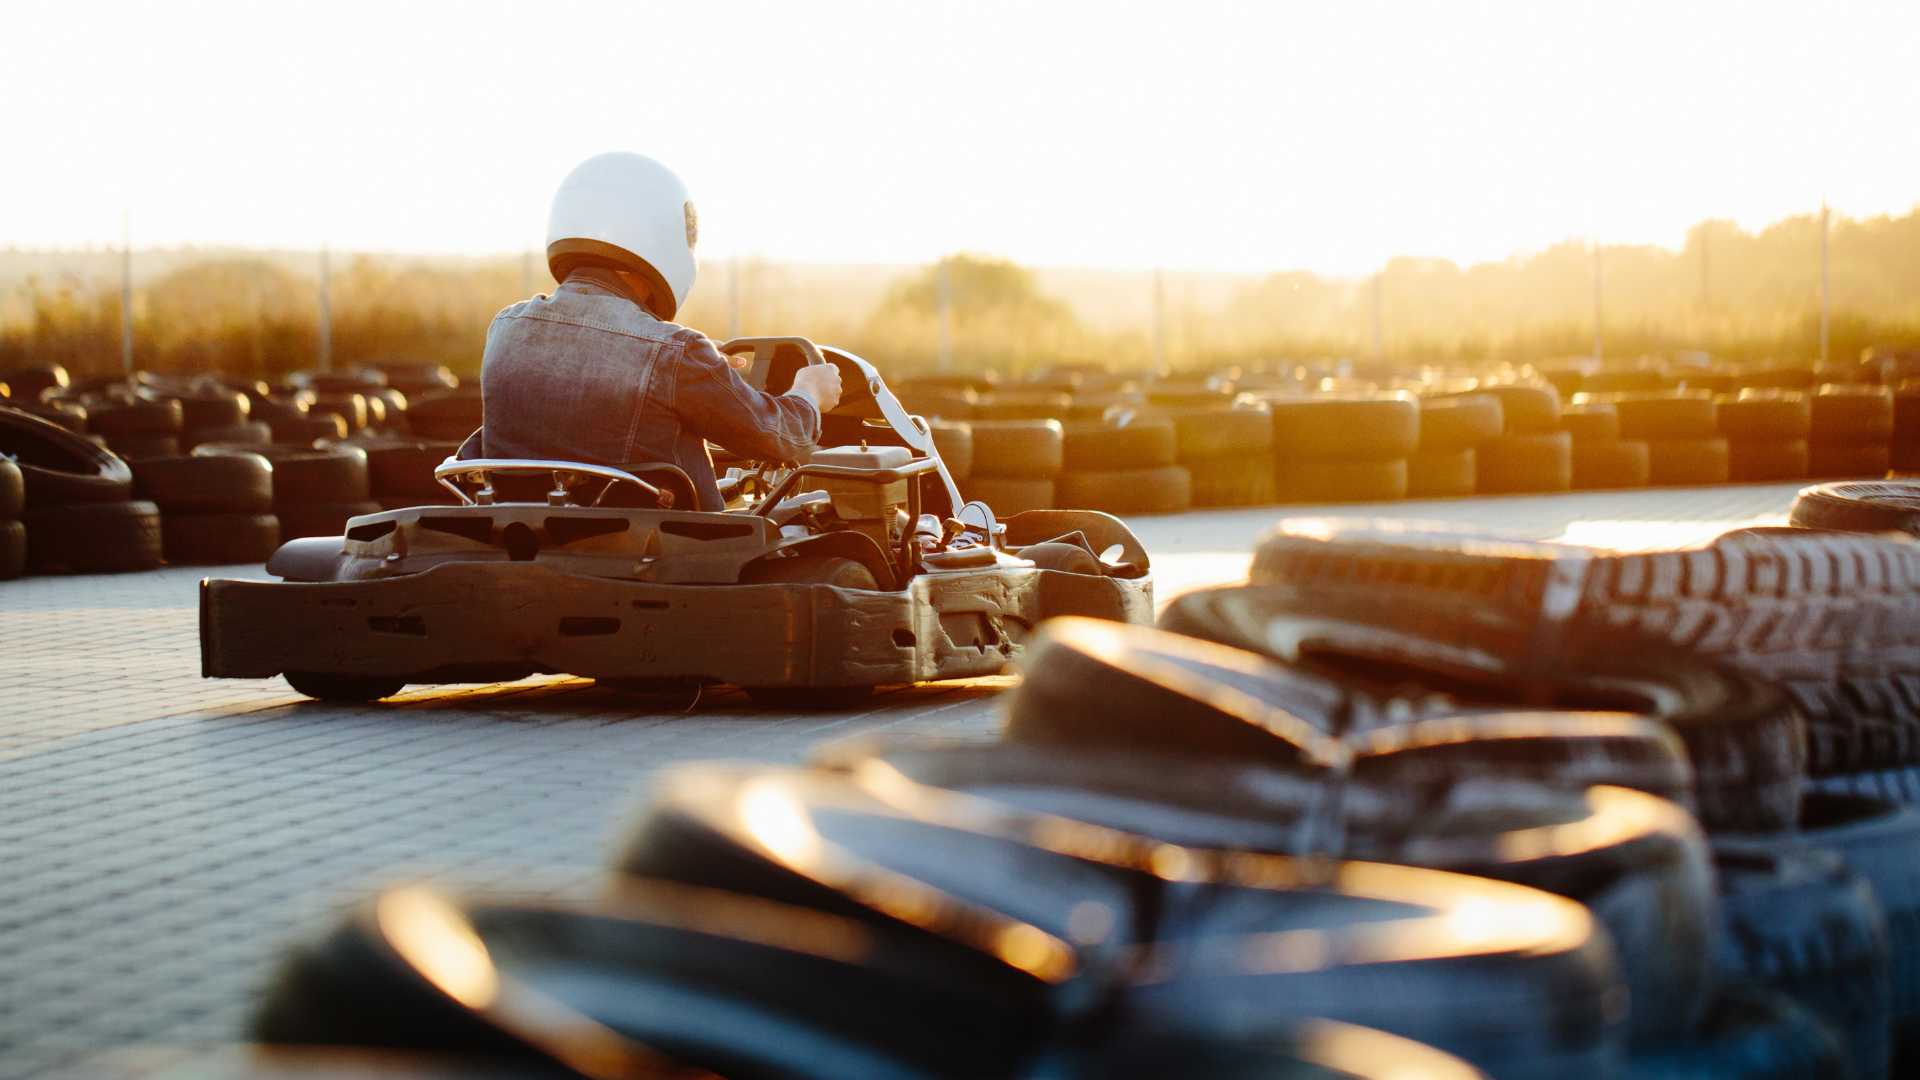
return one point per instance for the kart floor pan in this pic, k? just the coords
(483, 622)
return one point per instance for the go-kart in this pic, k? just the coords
(822, 579)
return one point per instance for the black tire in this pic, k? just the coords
(30, 381)
(60, 467)
(1442, 474)
(1689, 462)
(1343, 430)
(1220, 434)
(320, 519)
(330, 686)
(1005, 404)
(1460, 422)
(938, 404)
(1660, 418)
(1143, 443)
(1339, 481)
(1768, 462)
(93, 538)
(13, 550)
(351, 407)
(1746, 741)
(1634, 380)
(1835, 461)
(1526, 409)
(116, 419)
(407, 468)
(303, 431)
(1766, 417)
(1610, 465)
(1591, 422)
(13, 490)
(1167, 489)
(1232, 481)
(202, 411)
(1747, 1035)
(132, 448)
(1846, 415)
(1019, 449)
(1523, 464)
(1010, 495)
(219, 539)
(954, 443)
(841, 573)
(67, 414)
(226, 483)
(1780, 378)
(1889, 506)
(335, 474)
(1799, 923)
(256, 432)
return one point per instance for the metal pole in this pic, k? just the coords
(1159, 320)
(326, 314)
(944, 288)
(1599, 350)
(126, 295)
(733, 297)
(1706, 280)
(1378, 352)
(526, 274)
(1825, 294)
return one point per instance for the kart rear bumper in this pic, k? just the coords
(484, 622)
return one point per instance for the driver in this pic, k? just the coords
(597, 373)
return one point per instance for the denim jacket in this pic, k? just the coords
(587, 374)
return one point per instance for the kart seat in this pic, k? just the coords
(586, 490)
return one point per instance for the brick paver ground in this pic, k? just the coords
(162, 835)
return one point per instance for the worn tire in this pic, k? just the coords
(1232, 481)
(256, 432)
(1519, 464)
(1767, 462)
(1891, 506)
(447, 415)
(13, 550)
(303, 431)
(954, 443)
(1689, 462)
(1454, 423)
(1610, 465)
(1144, 443)
(68, 414)
(1747, 1035)
(209, 410)
(1834, 461)
(1442, 474)
(1010, 495)
(1167, 489)
(1801, 924)
(1344, 430)
(1526, 409)
(13, 490)
(1658, 418)
(406, 469)
(1852, 414)
(336, 474)
(1339, 481)
(58, 466)
(1766, 417)
(1591, 422)
(1221, 434)
(93, 538)
(319, 519)
(351, 407)
(327, 686)
(115, 419)
(226, 483)
(219, 539)
(1031, 449)
(133, 448)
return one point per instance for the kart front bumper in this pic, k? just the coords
(487, 622)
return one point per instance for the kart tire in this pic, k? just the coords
(319, 519)
(13, 550)
(954, 443)
(1142, 443)
(133, 448)
(328, 686)
(1441, 474)
(1525, 463)
(1766, 417)
(1339, 481)
(1887, 506)
(1099, 404)
(1852, 414)
(1689, 462)
(219, 539)
(1454, 423)
(116, 419)
(1343, 430)
(68, 414)
(1599, 466)
(1232, 481)
(1801, 924)
(1220, 434)
(1768, 462)
(1666, 417)
(210, 410)
(1010, 495)
(1880, 841)
(938, 404)
(833, 570)
(407, 468)
(93, 538)
(1780, 378)
(1025, 449)
(256, 432)
(13, 490)
(446, 415)
(31, 381)
(1636, 380)
(1748, 1035)
(59, 467)
(1167, 489)
(1526, 409)
(334, 474)
(304, 430)
(1004, 404)
(351, 407)
(1591, 422)
(226, 483)
(1836, 461)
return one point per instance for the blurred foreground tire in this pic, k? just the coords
(1748, 1035)
(94, 538)
(1891, 506)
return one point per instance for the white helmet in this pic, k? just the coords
(629, 211)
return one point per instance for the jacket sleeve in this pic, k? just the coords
(716, 403)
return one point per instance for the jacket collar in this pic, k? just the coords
(604, 280)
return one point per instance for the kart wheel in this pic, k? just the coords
(832, 570)
(329, 687)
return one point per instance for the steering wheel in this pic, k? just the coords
(775, 360)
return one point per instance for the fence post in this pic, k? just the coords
(326, 314)
(126, 295)
(1825, 295)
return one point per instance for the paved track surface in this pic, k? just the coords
(162, 835)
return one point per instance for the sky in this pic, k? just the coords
(1328, 136)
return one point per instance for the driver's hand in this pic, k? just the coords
(820, 383)
(739, 361)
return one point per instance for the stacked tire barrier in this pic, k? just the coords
(78, 514)
(13, 534)
(215, 510)
(1446, 461)
(1851, 432)
(1766, 432)
(1601, 459)
(1122, 466)
(1343, 449)
(315, 490)
(1682, 433)
(1227, 452)
(400, 471)
(1015, 464)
